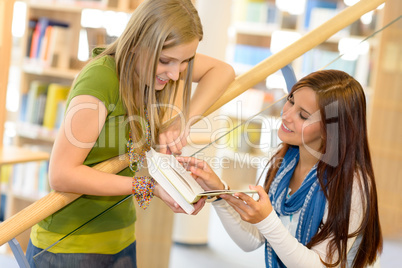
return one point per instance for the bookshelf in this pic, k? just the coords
(14, 156)
(385, 120)
(48, 62)
(257, 25)
(6, 11)
(52, 54)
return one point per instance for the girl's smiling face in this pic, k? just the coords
(301, 120)
(173, 61)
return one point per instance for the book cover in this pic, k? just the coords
(36, 89)
(43, 24)
(57, 54)
(56, 94)
(61, 107)
(43, 184)
(40, 113)
(45, 44)
(34, 41)
(96, 37)
(23, 110)
(30, 32)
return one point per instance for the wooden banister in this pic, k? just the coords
(51, 203)
(56, 200)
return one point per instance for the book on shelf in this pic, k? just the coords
(30, 32)
(61, 107)
(311, 6)
(318, 58)
(35, 106)
(260, 12)
(47, 39)
(5, 175)
(30, 179)
(23, 107)
(250, 55)
(57, 53)
(96, 37)
(56, 93)
(178, 182)
(42, 107)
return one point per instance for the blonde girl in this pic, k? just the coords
(117, 104)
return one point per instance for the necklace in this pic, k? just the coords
(137, 159)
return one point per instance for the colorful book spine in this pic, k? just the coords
(56, 93)
(36, 90)
(42, 42)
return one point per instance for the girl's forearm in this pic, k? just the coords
(210, 87)
(86, 180)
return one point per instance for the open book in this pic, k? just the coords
(178, 182)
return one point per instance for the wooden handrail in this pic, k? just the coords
(51, 203)
(54, 201)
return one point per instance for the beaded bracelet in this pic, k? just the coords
(143, 190)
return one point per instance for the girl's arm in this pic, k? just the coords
(213, 77)
(83, 123)
(249, 222)
(244, 234)
(290, 251)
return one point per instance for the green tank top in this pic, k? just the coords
(113, 231)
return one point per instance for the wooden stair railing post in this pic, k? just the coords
(54, 201)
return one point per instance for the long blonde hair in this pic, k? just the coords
(154, 26)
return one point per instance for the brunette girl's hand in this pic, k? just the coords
(202, 173)
(169, 201)
(250, 210)
(174, 137)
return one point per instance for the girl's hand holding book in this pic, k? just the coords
(202, 173)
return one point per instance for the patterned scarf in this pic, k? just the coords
(309, 199)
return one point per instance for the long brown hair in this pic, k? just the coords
(154, 26)
(345, 154)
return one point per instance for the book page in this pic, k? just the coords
(185, 176)
(219, 192)
(183, 180)
(160, 176)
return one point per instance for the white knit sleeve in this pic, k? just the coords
(244, 234)
(294, 254)
(289, 250)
